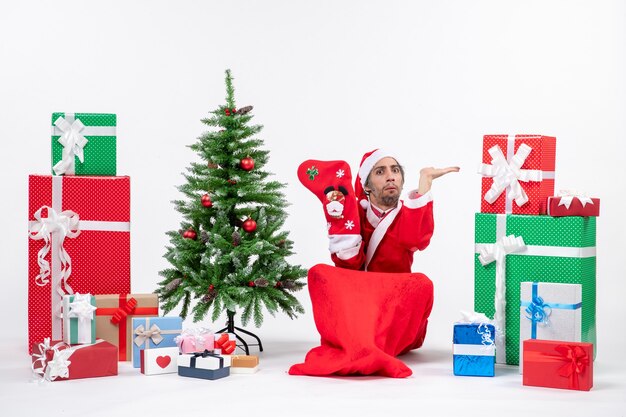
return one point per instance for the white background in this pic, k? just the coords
(328, 80)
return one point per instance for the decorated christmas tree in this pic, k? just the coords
(230, 254)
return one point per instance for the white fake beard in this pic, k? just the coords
(334, 209)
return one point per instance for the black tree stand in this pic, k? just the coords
(230, 328)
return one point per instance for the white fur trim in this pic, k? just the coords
(346, 254)
(338, 243)
(370, 161)
(419, 202)
(364, 203)
(372, 218)
(379, 233)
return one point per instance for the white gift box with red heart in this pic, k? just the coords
(159, 361)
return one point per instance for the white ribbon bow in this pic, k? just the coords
(64, 225)
(57, 367)
(153, 333)
(81, 308)
(508, 174)
(504, 246)
(567, 196)
(73, 143)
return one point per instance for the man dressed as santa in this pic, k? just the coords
(379, 310)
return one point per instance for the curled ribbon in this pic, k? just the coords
(57, 367)
(73, 143)
(64, 225)
(504, 246)
(143, 334)
(538, 311)
(508, 174)
(483, 330)
(567, 196)
(81, 308)
(123, 312)
(485, 334)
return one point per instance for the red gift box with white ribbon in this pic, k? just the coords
(58, 361)
(571, 203)
(518, 173)
(558, 364)
(79, 242)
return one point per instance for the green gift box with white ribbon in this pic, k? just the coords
(79, 319)
(84, 144)
(511, 249)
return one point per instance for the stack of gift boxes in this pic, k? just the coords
(535, 264)
(82, 318)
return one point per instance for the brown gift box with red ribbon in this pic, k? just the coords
(558, 364)
(114, 315)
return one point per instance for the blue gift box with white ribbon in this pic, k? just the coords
(550, 311)
(474, 351)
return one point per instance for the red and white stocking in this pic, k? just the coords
(331, 182)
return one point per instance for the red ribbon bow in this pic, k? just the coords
(228, 346)
(576, 361)
(122, 312)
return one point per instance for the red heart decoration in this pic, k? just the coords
(163, 361)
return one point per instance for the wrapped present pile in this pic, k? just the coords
(82, 316)
(535, 260)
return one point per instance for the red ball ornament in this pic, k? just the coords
(250, 283)
(232, 182)
(278, 284)
(206, 201)
(249, 225)
(211, 287)
(190, 234)
(227, 112)
(247, 164)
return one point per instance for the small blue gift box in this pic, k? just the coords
(204, 365)
(154, 332)
(474, 349)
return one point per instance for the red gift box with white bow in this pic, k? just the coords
(558, 364)
(518, 173)
(572, 204)
(58, 361)
(79, 242)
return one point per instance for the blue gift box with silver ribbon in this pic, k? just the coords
(474, 351)
(550, 311)
(154, 332)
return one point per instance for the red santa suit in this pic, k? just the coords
(372, 308)
(391, 238)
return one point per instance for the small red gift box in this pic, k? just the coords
(573, 205)
(518, 173)
(79, 242)
(58, 361)
(558, 364)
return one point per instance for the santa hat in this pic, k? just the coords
(368, 162)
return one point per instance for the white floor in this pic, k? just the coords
(431, 391)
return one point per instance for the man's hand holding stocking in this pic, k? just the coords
(331, 182)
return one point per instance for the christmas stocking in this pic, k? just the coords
(331, 182)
